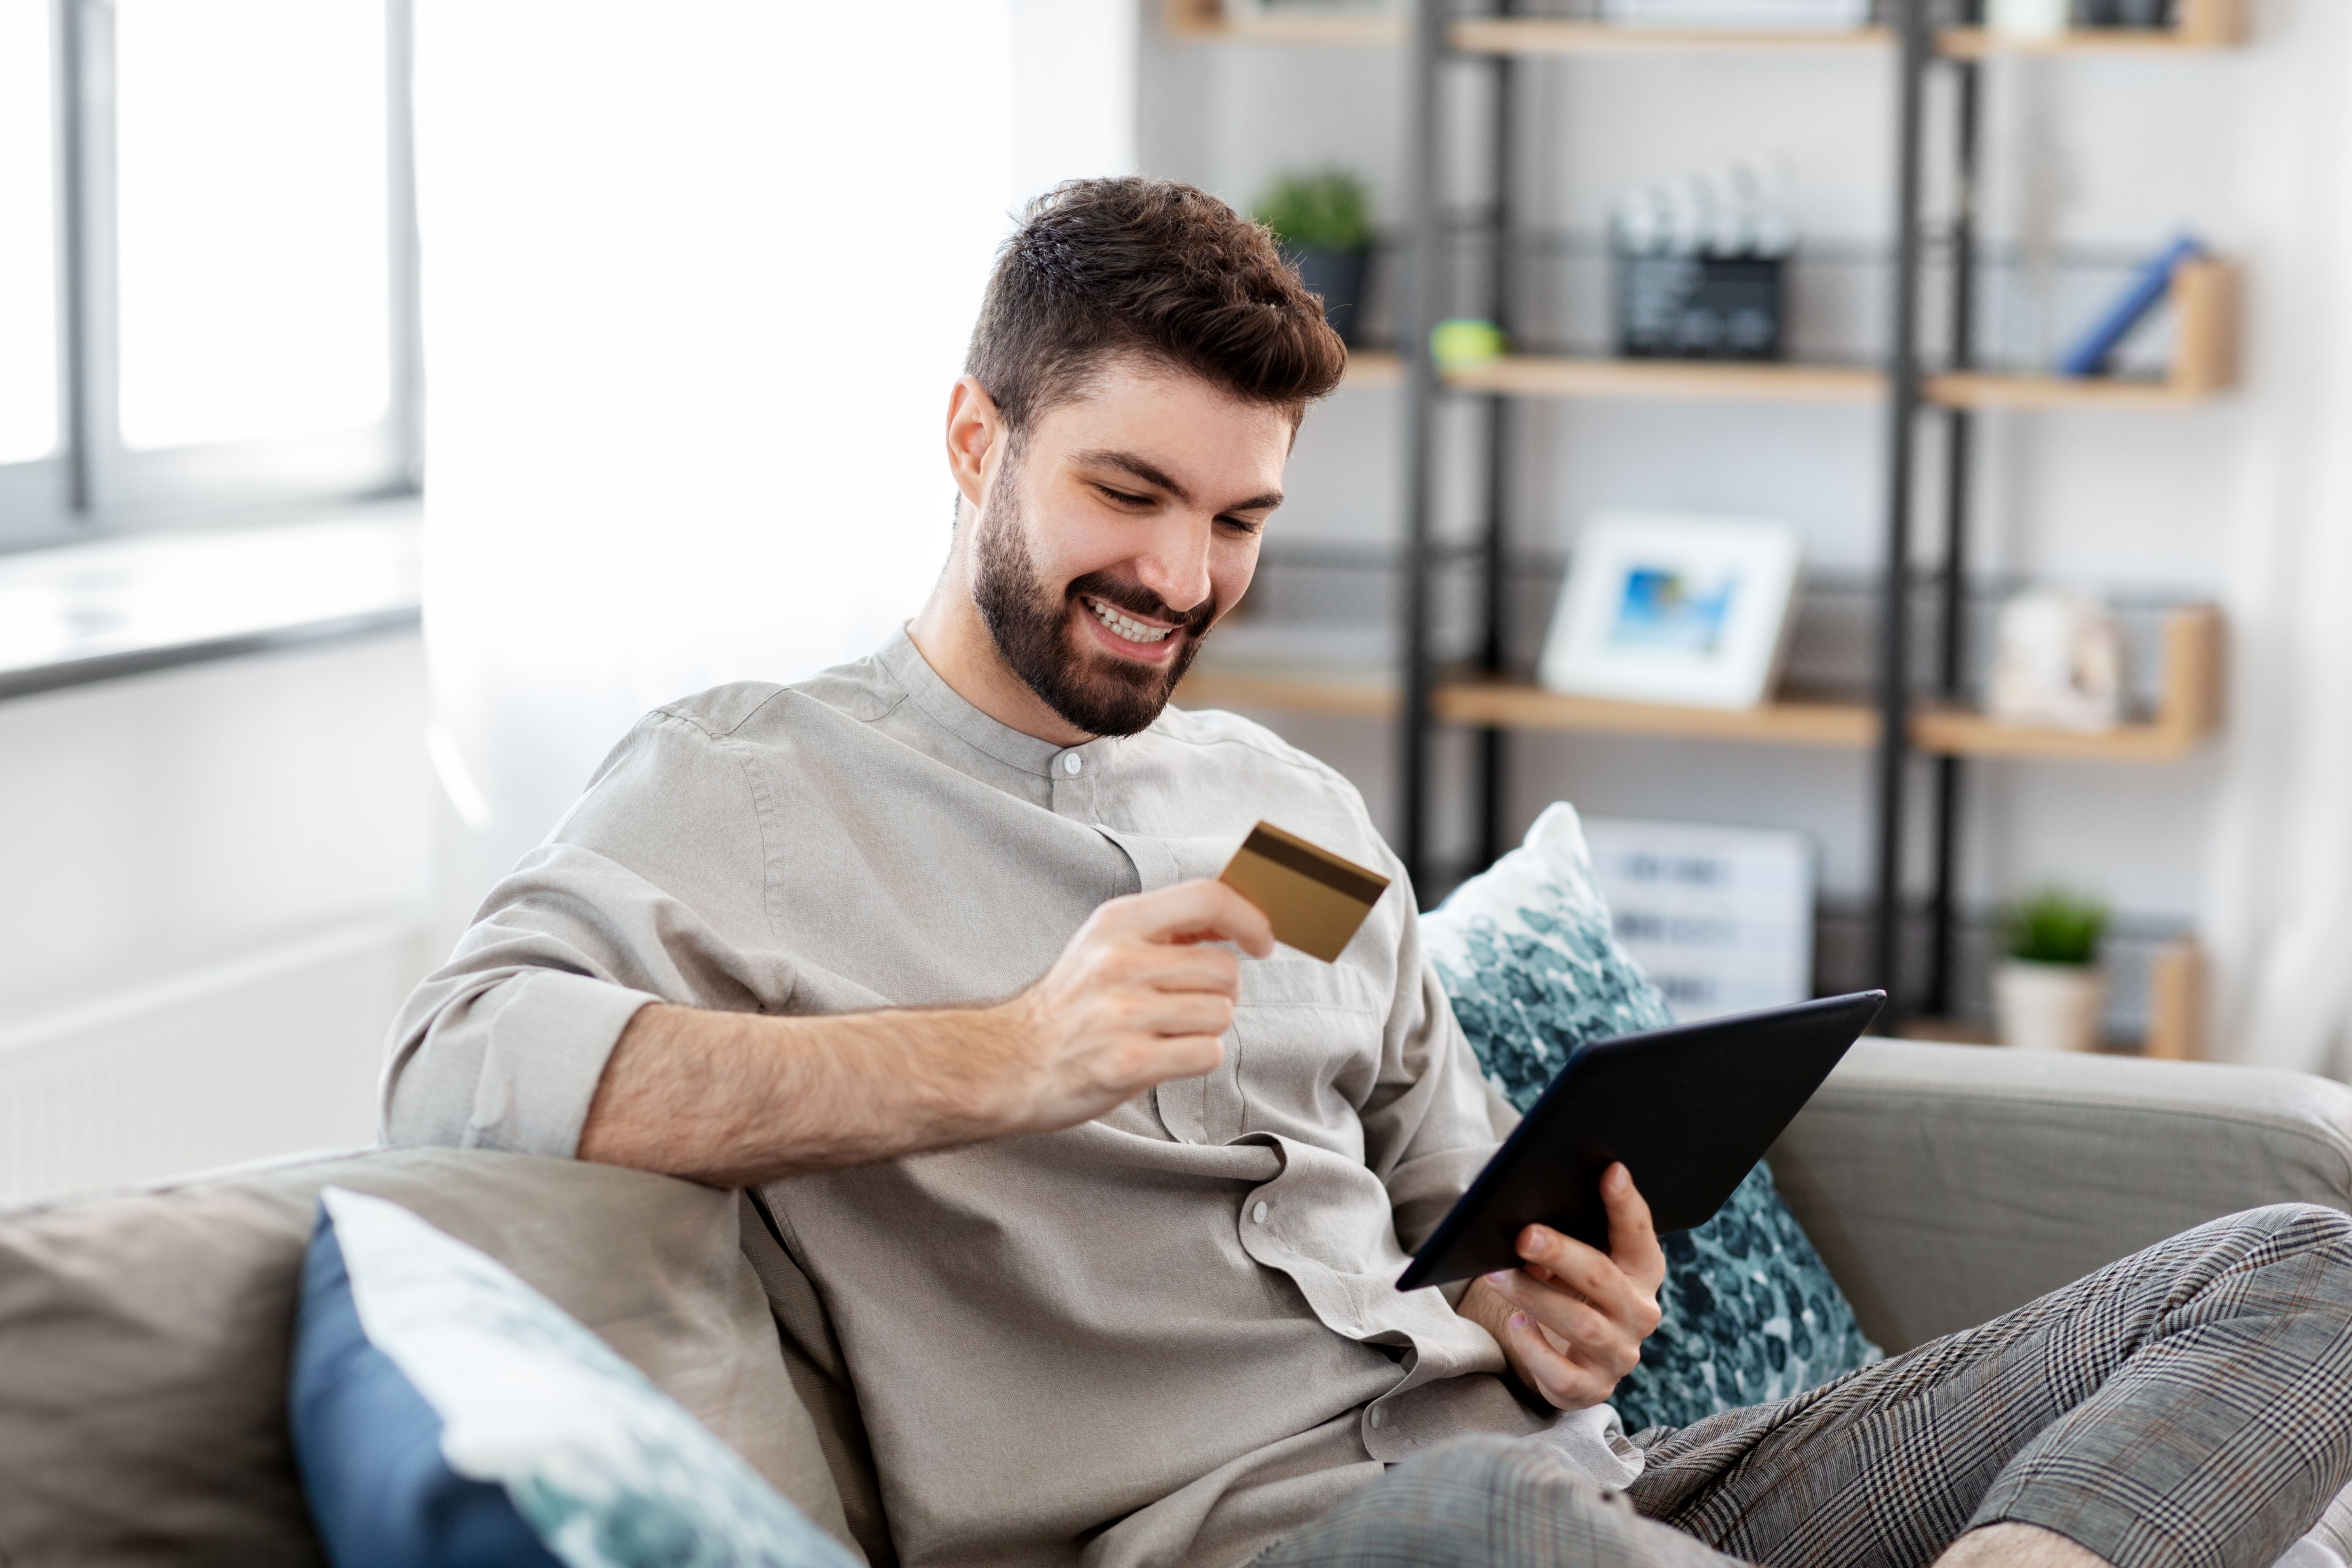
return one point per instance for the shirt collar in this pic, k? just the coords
(941, 704)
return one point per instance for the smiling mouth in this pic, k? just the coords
(1125, 626)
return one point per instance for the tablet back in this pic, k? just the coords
(1690, 1111)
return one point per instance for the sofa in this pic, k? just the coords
(144, 1335)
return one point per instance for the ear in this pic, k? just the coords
(976, 439)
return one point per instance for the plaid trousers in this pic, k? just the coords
(2189, 1404)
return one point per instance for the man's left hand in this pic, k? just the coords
(1571, 1318)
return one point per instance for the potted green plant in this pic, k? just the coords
(1323, 222)
(2048, 992)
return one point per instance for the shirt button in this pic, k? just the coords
(1258, 1214)
(1073, 763)
(1380, 1417)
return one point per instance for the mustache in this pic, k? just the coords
(1138, 600)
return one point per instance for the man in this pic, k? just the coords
(1099, 1217)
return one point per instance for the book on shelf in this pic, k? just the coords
(2089, 354)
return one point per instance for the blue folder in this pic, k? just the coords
(2146, 291)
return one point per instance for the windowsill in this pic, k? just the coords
(80, 614)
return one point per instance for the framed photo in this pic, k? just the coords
(1674, 607)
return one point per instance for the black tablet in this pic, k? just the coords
(1690, 1111)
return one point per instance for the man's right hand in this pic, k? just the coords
(1138, 997)
(736, 1098)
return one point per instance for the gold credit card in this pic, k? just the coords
(1314, 898)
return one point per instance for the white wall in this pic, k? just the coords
(698, 283)
(191, 1067)
(212, 882)
(2113, 151)
(171, 817)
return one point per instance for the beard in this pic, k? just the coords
(1091, 688)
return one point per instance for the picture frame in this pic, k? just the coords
(1674, 607)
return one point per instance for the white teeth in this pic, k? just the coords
(1127, 627)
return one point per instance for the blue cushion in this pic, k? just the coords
(1527, 955)
(445, 1414)
(370, 1448)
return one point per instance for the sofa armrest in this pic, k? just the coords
(1946, 1183)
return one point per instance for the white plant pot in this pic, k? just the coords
(2048, 1006)
(2027, 18)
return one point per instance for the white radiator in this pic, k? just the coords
(267, 1053)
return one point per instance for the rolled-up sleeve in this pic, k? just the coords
(653, 889)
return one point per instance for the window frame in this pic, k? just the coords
(93, 486)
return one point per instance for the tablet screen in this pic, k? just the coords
(1690, 1111)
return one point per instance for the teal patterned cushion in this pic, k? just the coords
(1751, 1313)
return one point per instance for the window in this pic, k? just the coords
(29, 380)
(207, 275)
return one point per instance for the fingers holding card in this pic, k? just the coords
(1314, 898)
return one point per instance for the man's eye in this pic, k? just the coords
(1241, 525)
(1122, 497)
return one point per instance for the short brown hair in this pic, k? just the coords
(1109, 267)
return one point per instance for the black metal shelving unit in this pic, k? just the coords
(1895, 767)
(1917, 759)
(1419, 311)
(1430, 222)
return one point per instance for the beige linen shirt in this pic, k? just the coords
(1166, 1336)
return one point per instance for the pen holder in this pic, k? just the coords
(1677, 305)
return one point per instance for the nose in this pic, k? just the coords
(1176, 565)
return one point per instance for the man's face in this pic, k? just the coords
(1118, 531)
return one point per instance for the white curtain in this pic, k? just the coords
(698, 278)
(2282, 910)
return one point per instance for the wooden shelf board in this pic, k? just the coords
(1849, 726)
(1291, 691)
(1526, 376)
(1978, 389)
(1976, 43)
(1343, 32)
(1737, 382)
(1516, 706)
(1546, 35)
(2191, 655)
(1370, 367)
(2204, 309)
(1944, 731)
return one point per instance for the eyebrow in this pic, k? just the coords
(1151, 473)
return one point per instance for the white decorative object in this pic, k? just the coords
(1674, 607)
(2057, 661)
(1720, 918)
(1756, 16)
(2027, 18)
(2048, 1007)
